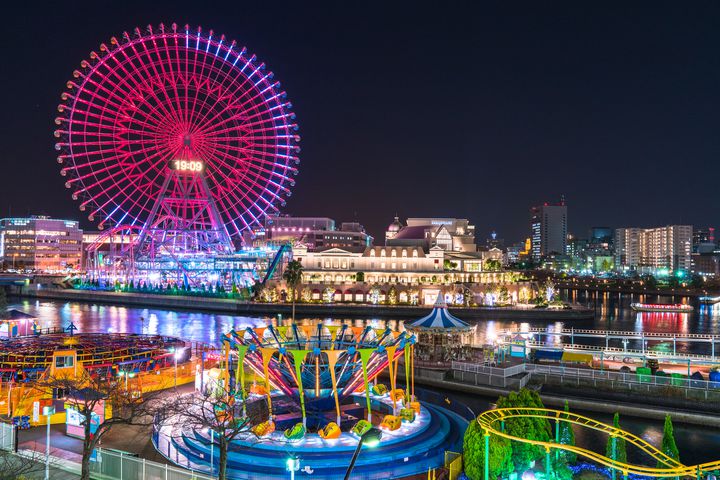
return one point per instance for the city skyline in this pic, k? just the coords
(514, 115)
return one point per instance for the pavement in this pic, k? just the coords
(66, 451)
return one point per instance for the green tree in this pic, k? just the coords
(567, 437)
(293, 277)
(360, 276)
(620, 447)
(523, 454)
(669, 447)
(500, 461)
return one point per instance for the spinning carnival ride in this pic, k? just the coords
(177, 142)
(318, 385)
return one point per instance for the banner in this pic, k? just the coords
(332, 360)
(365, 358)
(240, 371)
(259, 331)
(298, 357)
(391, 359)
(283, 331)
(333, 329)
(267, 354)
(357, 331)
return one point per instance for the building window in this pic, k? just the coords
(382, 265)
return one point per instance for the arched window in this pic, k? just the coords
(415, 254)
(393, 253)
(404, 253)
(372, 252)
(382, 252)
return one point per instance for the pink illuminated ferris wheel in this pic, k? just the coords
(176, 130)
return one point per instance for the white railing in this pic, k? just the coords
(576, 374)
(112, 465)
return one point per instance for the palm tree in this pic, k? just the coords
(293, 277)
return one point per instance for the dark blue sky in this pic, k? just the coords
(468, 109)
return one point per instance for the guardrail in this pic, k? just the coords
(578, 375)
(113, 465)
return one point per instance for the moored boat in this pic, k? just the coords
(662, 307)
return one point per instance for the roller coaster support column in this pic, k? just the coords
(487, 455)
(557, 436)
(548, 472)
(613, 442)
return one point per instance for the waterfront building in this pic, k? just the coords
(548, 224)
(40, 243)
(314, 232)
(352, 273)
(654, 250)
(450, 234)
(518, 252)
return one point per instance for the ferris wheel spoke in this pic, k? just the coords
(142, 84)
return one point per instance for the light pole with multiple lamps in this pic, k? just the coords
(371, 438)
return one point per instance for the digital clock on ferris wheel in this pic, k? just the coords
(189, 166)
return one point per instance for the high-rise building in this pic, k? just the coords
(40, 243)
(549, 229)
(650, 250)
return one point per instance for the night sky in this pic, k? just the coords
(473, 109)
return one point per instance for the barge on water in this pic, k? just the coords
(662, 307)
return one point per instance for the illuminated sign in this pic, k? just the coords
(192, 166)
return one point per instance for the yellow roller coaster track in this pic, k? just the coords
(492, 423)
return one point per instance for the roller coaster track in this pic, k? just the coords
(492, 423)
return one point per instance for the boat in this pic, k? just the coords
(709, 300)
(662, 307)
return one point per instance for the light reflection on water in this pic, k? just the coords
(612, 313)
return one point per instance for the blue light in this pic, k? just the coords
(228, 53)
(208, 43)
(218, 49)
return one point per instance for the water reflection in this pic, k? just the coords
(612, 312)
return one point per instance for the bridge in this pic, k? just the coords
(492, 422)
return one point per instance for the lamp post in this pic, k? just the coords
(48, 412)
(292, 465)
(371, 438)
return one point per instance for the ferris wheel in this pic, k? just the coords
(173, 126)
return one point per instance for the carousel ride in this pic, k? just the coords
(319, 388)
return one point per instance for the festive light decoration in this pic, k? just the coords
(178, 139)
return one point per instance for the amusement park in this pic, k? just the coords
(203, 333)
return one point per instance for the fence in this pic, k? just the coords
(699, 389)
(510, 377)
(112, 465)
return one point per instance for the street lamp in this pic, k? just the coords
(292, 465)
(371, 438)
(48, 412)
